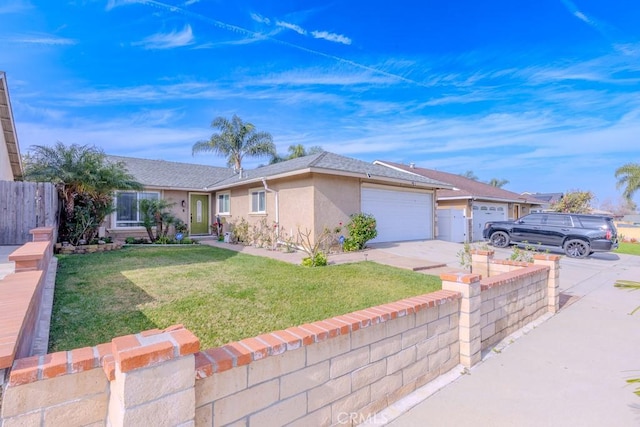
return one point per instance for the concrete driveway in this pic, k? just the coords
(569, 370)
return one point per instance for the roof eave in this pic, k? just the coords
(370, 177)
(10, 135)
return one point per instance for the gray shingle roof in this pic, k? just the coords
(161, 173)
(329, 162)
(164, 174)
(465, 187)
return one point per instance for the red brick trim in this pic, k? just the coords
(511, 276)
(129, 352)
(460, 277)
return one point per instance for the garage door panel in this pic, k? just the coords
(400, 215)
(485, 212)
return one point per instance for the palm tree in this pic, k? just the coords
(495, 182)
(469, 175)
(629, 177)
(236, 140)
(83, 177)
(296, 151)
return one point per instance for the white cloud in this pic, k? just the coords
(261, 19)
(331, 37)
(292, 27)
(14, 6)
(168, 40)
(112, 4)
(43, 39)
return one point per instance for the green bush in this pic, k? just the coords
(320, 260)
(362, 228)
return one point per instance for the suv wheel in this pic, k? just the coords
(577, 248)
(499, 239)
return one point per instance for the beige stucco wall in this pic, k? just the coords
(309, 202)
(454, 204)
(335, 199)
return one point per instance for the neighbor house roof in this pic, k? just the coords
(8, 129)
(169, 175)
(464, 188)
(550, 198)
(329, 163)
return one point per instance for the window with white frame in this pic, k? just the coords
(223, 203)
(127, 213)
(258, 201)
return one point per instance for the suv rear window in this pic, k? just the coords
(594, 222)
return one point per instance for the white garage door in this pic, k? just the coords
(400, 215)
(452, 225)
(485, 212)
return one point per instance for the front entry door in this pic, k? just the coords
(199, 214)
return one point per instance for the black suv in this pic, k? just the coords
(579, 235)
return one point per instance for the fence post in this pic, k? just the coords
(469, 320)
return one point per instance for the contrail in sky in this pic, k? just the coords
(237, 29)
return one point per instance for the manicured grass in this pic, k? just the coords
(629, 248)
(219, 295)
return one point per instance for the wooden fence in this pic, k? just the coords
(24, 206)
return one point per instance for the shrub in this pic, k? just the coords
(362, 228)
(319, 260)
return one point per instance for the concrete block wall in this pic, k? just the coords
(135, 380)
(20, 297)
(334, 371)
(510, 301)
(321, 373)
(514, 293)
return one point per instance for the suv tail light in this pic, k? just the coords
(608, 234)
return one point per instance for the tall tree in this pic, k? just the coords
(628, 176)
(85, 182)
(495, 182)
(574, 201)
(236, 140)
(296, 151)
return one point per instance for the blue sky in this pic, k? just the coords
(542, 93)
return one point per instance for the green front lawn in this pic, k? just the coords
(220, 295)
(629, 248)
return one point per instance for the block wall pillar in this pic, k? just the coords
(480, 260)
(553, 281)
(469, 328)
(153, 379)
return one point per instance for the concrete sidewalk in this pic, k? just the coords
(568, 371)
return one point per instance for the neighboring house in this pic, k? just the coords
(548, 199)
(307, 194)
(10, 162)
(464, 209)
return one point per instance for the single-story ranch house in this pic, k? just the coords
(306, 193)
(464, 209)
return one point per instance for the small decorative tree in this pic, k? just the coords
(155, 213)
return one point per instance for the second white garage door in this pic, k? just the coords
(400, 215)
(485, 212)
